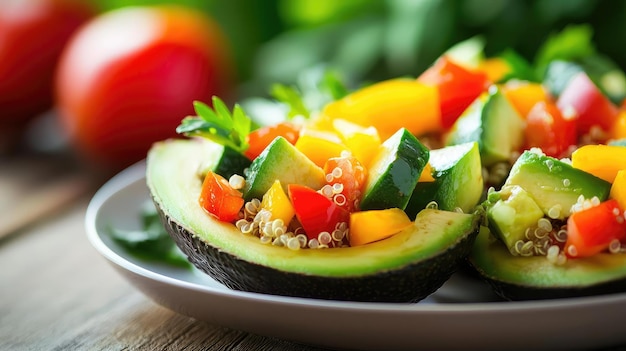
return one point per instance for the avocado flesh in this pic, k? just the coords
(510, 216)
(534, 277)
(405, 267)
(281, 160)
(555, 184)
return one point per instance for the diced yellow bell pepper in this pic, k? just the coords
(369, 226)
(618, 131)
(390, 105)
(603, 161)
(427, 174)
(320, 145)
(495, 68)
(618, 189)
(524, 95)
(362, 141)
(277, 202)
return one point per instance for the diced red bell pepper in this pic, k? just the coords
(458, 87)
(582, 100)
(592, 230)
(219, 199)
(260, 138)
(548, 129)
(315, 212)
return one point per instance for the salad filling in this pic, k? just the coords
(348, 172)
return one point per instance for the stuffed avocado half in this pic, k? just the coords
(404, 267)
(552, 231)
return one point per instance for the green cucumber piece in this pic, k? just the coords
(494, 124)
(458, 180)
(394, 172)
(229, 162)
(281, 161)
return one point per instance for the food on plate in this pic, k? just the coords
(555, 217)
(119, 93)
(380, 194)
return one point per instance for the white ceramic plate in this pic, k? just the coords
(463, 314)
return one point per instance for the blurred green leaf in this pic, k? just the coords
(310, 13)
(290, 96)
(521, 68)
(150, 242)
(571, 44)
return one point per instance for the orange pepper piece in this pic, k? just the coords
(524, 95)
(319, 145)
(495, 68)
(618, 131)
(390, 105)
(618, 189)
(370, 226)
(363, 142)
(427, 174)
(603, 161)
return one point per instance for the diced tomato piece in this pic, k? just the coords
(582, 100)
(548, 129)
(592, 230)
(458, 87)
(345, 178)
(260, 138)
(219, 199)
(315, 212)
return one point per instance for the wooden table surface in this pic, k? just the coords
(58, 293)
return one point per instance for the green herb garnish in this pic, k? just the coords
(218, 124)
(151, 242)
(332, 84)
(291, 97)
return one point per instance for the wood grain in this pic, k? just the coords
(58, 293)
(34, 187)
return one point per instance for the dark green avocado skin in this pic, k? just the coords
(411, 283)
(515, 292)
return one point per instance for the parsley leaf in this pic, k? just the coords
(218, 124)
(315, 88)
(332, 84)
(291, 97)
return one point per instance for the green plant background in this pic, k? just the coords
(274, 40)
